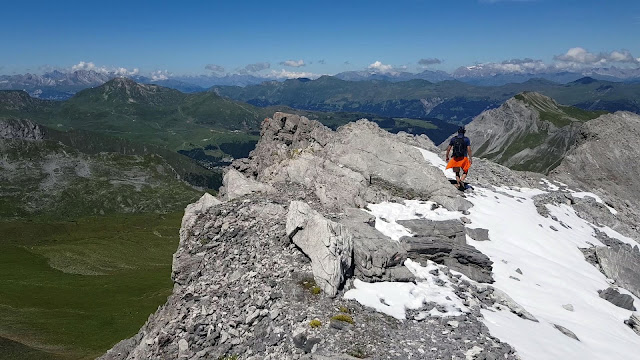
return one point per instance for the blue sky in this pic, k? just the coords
(328, 36)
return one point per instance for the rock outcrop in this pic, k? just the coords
(259, 271)
(622, 264)
(612, 295)
(327, 243)
(20, 129)
(528, 132)
(604, 159)
(357, 164)
(375, 257)
(444, 242)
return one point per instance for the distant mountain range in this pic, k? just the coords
(61, 85)
(204, 126)
(451, 100)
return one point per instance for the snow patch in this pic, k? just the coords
(388, 213)
(395, 298)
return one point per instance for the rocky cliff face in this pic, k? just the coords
(315, 218)
(18, 129)
(528, 132)
(604, 158)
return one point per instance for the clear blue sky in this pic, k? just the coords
(183, 37)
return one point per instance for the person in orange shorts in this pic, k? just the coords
(461, 156)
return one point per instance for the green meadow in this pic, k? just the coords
(72, 289)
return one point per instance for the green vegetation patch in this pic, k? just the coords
(310, 285)
(315, 323)
(343, 317)
(73, 289)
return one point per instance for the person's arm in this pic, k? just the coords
(470, 154)
(448, 150)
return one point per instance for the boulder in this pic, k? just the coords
(444, 242)
(236, 185)
(393, 165)
(376, 257)
(612, 295)
(192, 211)
(478, 234)
(634, 322)
(622, 264)
(336, 187)
(566, 331)
(328, 244)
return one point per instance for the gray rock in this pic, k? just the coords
(183, 347)
(301, 341)
(449, 230)
(621, 264)
(478, 234)
(460, 257)
(568, 307)
(335, 186)
(20, 129)
(634, 322)
(199, 207)
(566, 331)
(612, 295)
(328, 244)
(376, 257)
(236, 185)
(390, 164)
(339, 325)
(502, 298)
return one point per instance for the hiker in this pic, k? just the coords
(461, 157)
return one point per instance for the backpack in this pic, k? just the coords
(459, 147)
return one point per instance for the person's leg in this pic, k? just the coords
(456, 170)
(464, 176)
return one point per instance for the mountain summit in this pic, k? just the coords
(528, 132)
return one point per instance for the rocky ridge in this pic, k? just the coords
(260, 271)
(254, 269)
(528, 132)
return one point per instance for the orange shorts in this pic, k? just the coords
(461, 162)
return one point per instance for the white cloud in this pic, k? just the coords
(380, 67)
(578, 55)
(123, 71)
(293, 63)
(82, 65)
(284, 74)
(215, 68)
(90, 66)
(159, 75)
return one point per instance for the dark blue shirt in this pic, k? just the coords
(467, 143)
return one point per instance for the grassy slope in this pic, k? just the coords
(49, 300)
(71, 284)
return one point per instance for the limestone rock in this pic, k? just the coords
(328, 244)
(566, 331)
(612, 295)
(376, 257)
(236, 185)
(365, 148)
(478, 234)
(193, 210)
(444, 242)
(634, 322)
(20, 129)
(622, 264)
